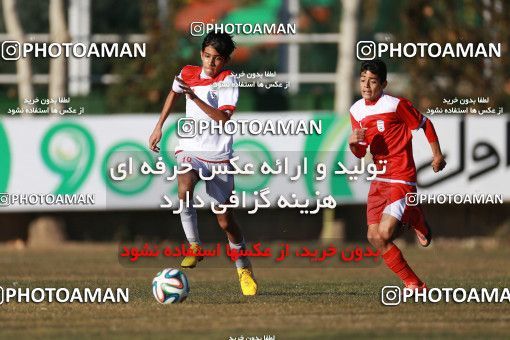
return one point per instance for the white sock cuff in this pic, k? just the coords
(189, 224)
(241, 245)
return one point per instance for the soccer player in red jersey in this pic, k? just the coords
(384, 123)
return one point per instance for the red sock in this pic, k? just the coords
(396, 262)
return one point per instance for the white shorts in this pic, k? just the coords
(219, 187)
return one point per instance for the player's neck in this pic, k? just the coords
(203, 75)
(373, 102)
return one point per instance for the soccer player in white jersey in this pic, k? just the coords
(384, 123)
(211, 94)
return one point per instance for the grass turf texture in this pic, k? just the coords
(294, 303)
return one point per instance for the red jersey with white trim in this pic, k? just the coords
(389, 122)
(220, 92)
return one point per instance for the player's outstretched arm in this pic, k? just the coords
(214, 113)
(438, 161)
(415, 120)
(157, 132)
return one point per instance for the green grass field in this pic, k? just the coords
(294, 303)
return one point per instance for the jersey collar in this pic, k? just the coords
(203, 75)
(373, 102)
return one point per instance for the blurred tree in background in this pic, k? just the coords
(145, 82)
(470, 21)
(116, 16)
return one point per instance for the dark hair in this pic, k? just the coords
(222, 42)
(376, 66)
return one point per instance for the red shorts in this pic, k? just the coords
(390, 198)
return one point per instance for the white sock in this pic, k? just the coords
(242, 261)
(189, 224)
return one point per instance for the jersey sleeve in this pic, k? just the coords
(360, 150)
(175, 84)
(410, 115)
(354, 123)
(228, 94)
(415, 120)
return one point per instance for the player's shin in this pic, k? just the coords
(189, 224)
(396, 262)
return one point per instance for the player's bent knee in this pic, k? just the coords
(374, 238)
(184, 186)
(187, 181)
(227, 222)
(373, 235)
(223, 221)
(181, 192)
(385, 233)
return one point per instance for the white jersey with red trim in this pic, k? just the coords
(389, 122)
(220, 92)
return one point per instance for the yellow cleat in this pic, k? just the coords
(191, 261)
(248, 283)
